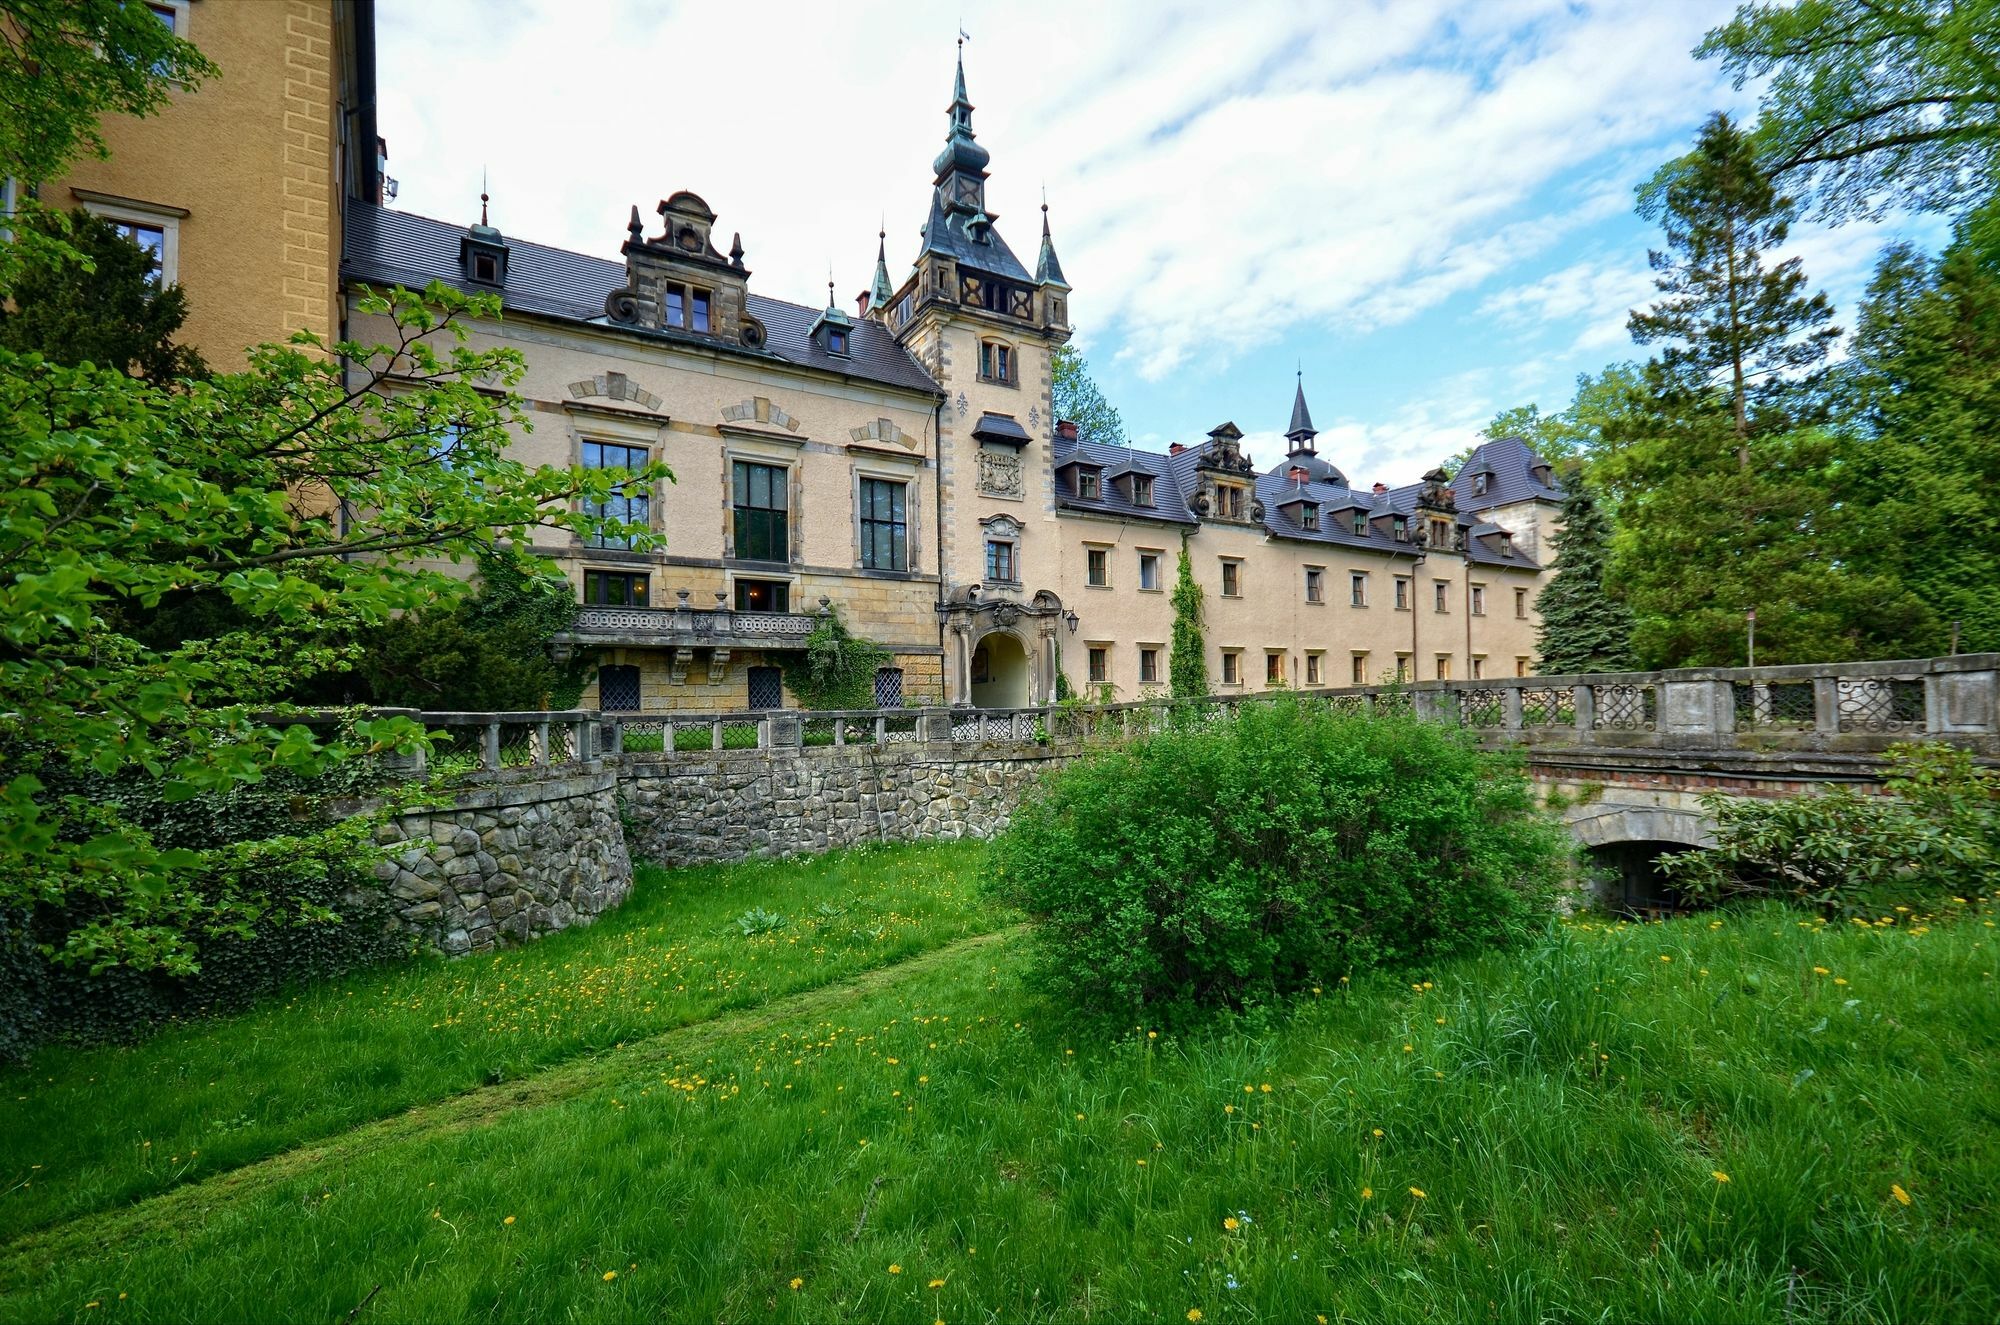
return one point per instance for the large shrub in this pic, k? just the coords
(1232, 863)
(1934, 830)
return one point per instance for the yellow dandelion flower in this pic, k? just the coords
(1194, 1313)
(895, 1269)
(797, 1283)
(1417, 1192)
(1839, 980)
(1896, 1190)
(1229, 1108)
(508, 1220)
(1665, 958)
(1319, 1320)
(1142, 1163)
(1249, 1090)
(1821, 970)
(1152, 1035)
(1231, 1223)
(937, 1283)
(609, 1275)
(1408, 1049)
(1720, 1176)
(1266, 1088)
(1367, 1193)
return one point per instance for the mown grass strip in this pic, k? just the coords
(89, 1129)
(174, 1212)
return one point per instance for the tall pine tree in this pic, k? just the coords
(1727, 316)
(1187, 658)
(1584, 628)
(116, 314)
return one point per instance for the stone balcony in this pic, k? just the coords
(688, 628)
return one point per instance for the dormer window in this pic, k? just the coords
(1089, 485)
(1309, 517)
(483, 256)
(1506, 545)
(1400, 526)
(1229, 502)
(486, 268)
(836, 341)
(1361, 524)
(1479, 485)
(698, 305)
(1142, 489)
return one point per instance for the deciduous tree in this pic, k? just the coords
(1075, 396)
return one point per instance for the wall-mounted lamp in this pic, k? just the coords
(1070, 619)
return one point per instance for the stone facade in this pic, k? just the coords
(736, 804)
(509, 860)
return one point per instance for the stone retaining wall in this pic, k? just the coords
(728, 805)
(512, 858)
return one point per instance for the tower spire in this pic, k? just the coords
(1048, 271)
(879, 289)
(1302, 432)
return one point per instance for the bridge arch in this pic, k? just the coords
(1625, 841)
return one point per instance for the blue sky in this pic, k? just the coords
(1427, 204)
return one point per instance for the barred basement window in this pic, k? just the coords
(888, 687)
(618, 689)
(767, 688)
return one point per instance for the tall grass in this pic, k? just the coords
(1741, 1118)
(84, 1129)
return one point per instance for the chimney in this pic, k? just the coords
(1175, 449)
(861, 304)
(1066, 429)
(1298, 474)
(1381, 489)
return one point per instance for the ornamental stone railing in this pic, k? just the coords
(688, 627)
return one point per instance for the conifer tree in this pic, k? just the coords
(1584, 628)
(1729, 317)
(1187, 660)
(117, 313)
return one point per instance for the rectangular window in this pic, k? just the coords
(1479, 669)
(618, 689)
(700, 305)
(1229, 502)
(767, 688)
(1441, 533)
(763, 596)
(1402, 668)
(996, 362)
(1149, 570)
(1441, 595)
(1149, 667)
(888, 687)
(1087, 484)
(1312, 669)
(612, 588)
(1274, 669)
(1359, 671)
(1444, 667)
(676, 311)
(152, 240)
(1097, 567)
(1357, 589)
(1232, 669)
(1401, 528)
(1100, 664)
(1361, 524)
(1520, 667)
(1402, 594)
(629, 502)
(1000, 561)
(761, 502)
(1315, 585)
(1231, 579)
(836, 341)
(1479, 600)
(1142, 489)
(1521, 603)
(885, 529)
(1309, 518)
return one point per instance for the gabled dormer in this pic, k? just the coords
(1134, 484)
(1301, 509)
(1085, 479)
(833, 330)
(482, 253)
(677, 281)
(1225, 482)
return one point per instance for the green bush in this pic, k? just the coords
(1935, 831)
(1245, 859)
(837, 668)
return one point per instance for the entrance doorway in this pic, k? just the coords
(1002, 674)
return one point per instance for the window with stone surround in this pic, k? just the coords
(1097, 567)
(885, 528)
(1099, 664)
(1479, 600)
(1359, 669)
(1232, 667)
(1521, 603)
(763, 596)
(888, 687)
(630, 502)
(1402, 593)
(1274, 668)
(997, 363)
(1441, 595)
(761, 506)
(1000, 567)
(1232, 579)
(614, 588)
(618, 689)
(1149, 571)
(1315, 585)
(1357, 588)
(1313, 676)
(1149, 666)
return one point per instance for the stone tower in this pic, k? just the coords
(985, 328)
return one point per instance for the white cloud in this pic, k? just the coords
(1215, 182)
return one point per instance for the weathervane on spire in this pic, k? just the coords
(482, 195)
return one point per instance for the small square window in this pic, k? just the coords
(836, 341)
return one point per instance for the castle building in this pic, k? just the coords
(901, 464)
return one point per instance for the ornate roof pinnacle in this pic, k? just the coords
(1302, 432)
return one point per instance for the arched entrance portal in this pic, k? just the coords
(1002, 672)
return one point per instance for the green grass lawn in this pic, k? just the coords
(84, 1130)
(1738, 1119)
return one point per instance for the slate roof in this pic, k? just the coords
(945, 232)
(387, 247)
(1509, 462)
(1175, 480)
